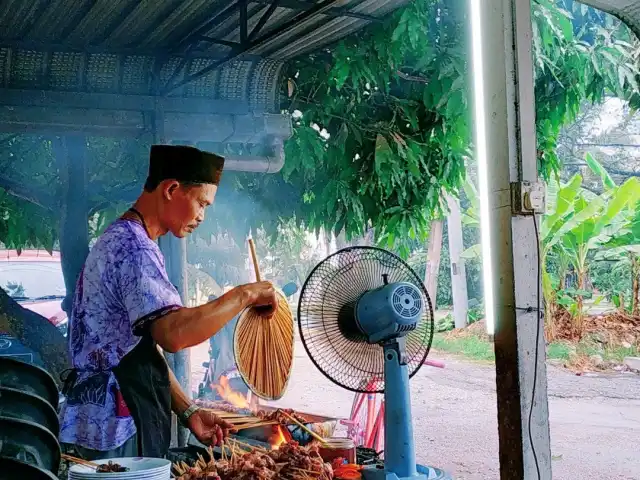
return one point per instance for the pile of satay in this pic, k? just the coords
(241, 461)
(282, 416)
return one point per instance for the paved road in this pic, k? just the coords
(595, 421)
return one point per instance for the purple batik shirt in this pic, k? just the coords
(121, 289)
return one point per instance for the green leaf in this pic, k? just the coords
(597, 168)
(472, 253)
(582, 222)
(564, 199)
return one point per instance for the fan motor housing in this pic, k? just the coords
(390, 311)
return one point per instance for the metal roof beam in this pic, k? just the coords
(126, 11)
(625, 10)
(41, 9)
(75, 21)
(264, 19)
(170, 6)
(333, 12)
(244, 23)
(220, 16)
(316, 10)
(220, 41)
(253, 10)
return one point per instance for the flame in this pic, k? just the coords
(225, 391)
(278, 438)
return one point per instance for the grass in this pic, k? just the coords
(476, 348)
(565, 351)
(469, 346)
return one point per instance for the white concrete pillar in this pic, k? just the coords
(458, 270)
(506, 69)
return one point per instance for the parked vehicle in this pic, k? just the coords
(34, 279)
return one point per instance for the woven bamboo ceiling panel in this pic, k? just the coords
(254, 82)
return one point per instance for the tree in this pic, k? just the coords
(381, 127)
(14, 289)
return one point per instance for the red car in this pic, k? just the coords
(34, 279)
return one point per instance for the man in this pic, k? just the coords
(121, 391)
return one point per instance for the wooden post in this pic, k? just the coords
(71, 155)
(174, 251)
(175, 254)
(458, 270)
(434, 251)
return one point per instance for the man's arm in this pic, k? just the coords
(179, 400)
(203, 423)
(188, 327)
(154, 305)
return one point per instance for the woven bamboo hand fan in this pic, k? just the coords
(264, 347)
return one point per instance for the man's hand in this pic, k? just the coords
(262, 295)
(208, 427)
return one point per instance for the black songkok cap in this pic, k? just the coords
(184, 164)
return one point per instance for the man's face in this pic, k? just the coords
(184, 206)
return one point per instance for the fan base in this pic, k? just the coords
(424, 473)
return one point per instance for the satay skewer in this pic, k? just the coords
(79, 461)
(304, 427)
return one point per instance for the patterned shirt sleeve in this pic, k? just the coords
(145, 288)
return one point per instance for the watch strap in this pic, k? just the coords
(184, 416)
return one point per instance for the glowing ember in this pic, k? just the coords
(279, 437)
(225, 391)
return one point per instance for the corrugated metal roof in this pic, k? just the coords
(152, 27)
(626, 10)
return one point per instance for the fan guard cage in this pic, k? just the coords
(339, 280)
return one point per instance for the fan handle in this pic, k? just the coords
(254, 259)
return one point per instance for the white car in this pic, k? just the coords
(34, 279)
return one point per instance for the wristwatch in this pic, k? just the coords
(184, 416)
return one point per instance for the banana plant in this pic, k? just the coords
(624, 248)
(559, 207)
(626, 258)
(576, 223)
(591, 223)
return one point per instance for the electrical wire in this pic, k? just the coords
(537, 350)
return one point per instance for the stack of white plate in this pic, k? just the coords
(139, 468)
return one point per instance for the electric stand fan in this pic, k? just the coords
(364, 315)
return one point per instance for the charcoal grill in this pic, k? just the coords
(323, 426)
(258, 436)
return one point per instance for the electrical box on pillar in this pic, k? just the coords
(527, 198)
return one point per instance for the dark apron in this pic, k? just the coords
(143, 377)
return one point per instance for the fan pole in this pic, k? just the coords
(399, 447)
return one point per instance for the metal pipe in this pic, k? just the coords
(271, 163)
